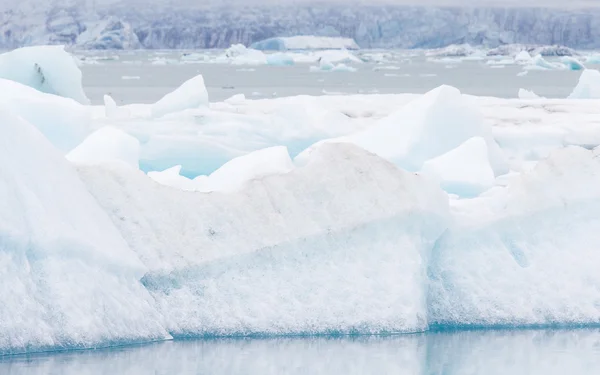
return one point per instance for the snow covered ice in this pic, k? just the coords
(588, 86)
(107, 144)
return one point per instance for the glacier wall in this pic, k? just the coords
(122, 26)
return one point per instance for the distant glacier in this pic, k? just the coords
(122, 26)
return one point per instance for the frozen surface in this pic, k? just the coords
(287, 254)
(305, 42)
(572, 63)
(45, 68)
(525, 255)
(528, 94)
(465, 170)
(588, 86)
(107, 144)
(68, 279)
(190, 95)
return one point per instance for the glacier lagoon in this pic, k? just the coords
(502, 352)
(518, 204)
(144, 77)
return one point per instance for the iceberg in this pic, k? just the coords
(524, 256)
(527, 94)
(425, 128)
(280, 59)
(107, 144)
(234, 174)
(238, 54)
(304, 42)
(572, 63)
(464, 171)
(68, 278)
(63, 121)
(588, 86)
(191, 94)
(523, 57)
(287, 254)
(47, 69)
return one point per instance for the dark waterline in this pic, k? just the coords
(510, 352)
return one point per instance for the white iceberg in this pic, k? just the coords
(47, 69)
(190, 95)
(425, 128)
(526, 255)
(287, 254)
(62, 120)
(68, 278)
(107, 144)
(464, 171)
(588, 86)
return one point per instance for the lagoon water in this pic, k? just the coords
(134, 77)
(500, 352)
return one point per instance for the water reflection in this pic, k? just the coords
(574, 352)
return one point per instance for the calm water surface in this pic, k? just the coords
(133, 78)
(503, 352)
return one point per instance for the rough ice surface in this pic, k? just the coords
(288, 254)
(465, 170)
(305, 42)
(190, 95)
(107, 144)
(63, 121)
(588, 86)
(45, 68)
(238, 54)
(428, 127)
(68, 279)
(525, 255)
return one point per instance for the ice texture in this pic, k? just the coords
(304, 42)
(288, 254)
(528, 94)
(191, 94)
(572, 63)
(45, 68)
(68, 279)
(525, 255)
(107, 144)
(588, 86)
(465, 170)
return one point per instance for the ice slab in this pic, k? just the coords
(191, 94)
(287, 254)
(67, 277)
(425, 128)
(464, 171)
(62, 120)
(525, 255)
(588, 86)
(47, 69)
(107, 144)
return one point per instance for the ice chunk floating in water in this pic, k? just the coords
(45, 68)
(191, 94)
